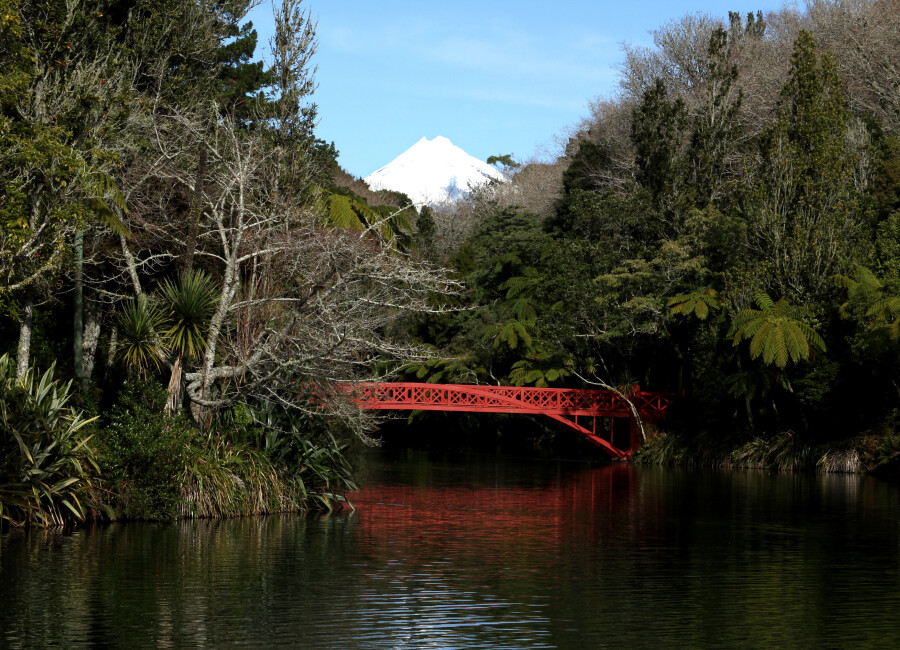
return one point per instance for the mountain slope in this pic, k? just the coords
(433, 172)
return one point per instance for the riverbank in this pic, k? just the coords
(869, 453)
(59, 466)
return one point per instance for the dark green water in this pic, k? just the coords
(486, 552)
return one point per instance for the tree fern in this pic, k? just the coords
(697, 303)
(523, 286)
(870, 297)
(886, 313)
(776, 332)
(511, 333)
(453, 370)
(353, 213)
(538, 370)
(340, 213)
(523, 309)
(500, 261)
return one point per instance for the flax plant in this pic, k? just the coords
(47, 467)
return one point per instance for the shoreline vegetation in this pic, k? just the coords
(876, 455)
(186, 271)
(142, 464)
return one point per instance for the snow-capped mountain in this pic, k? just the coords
(433, 172)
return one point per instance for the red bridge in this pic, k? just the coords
(566, 405)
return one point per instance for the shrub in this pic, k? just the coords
(311, 461)
(159, 467)
(143, 453)
(47, 467)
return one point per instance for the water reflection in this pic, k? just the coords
(485, 553)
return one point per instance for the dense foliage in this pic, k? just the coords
(170, 222)
(725, 227)
(48, 468)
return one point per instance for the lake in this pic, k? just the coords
(470, 551)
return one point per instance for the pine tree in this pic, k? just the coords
(804, 221)
(425, 227)
(657, 133)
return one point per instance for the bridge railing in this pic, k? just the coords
(506, 399)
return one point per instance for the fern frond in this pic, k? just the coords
(776, 348)
(812, 336)
(340, 213)
(758, 343)
(795, 342)
(523, 309)
(763, 301)
(884, 307)
(502, 260)
(894, 330)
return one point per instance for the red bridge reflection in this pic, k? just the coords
(566, 405)
(506, 524)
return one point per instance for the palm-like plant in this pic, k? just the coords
(776, 331)
(140, 325)
(189, 303)
(152, 332)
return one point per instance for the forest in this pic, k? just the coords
(187, 272)
(725, 227)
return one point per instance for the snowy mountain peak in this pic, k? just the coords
(432, 172)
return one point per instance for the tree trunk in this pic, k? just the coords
(91, 338)
(23, 357)
(113, 344)
(637, 431)
(173, 402)
(196, 210)
(78, 316)
(230, 285)
(131, 265)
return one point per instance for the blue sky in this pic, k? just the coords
(495, 77)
